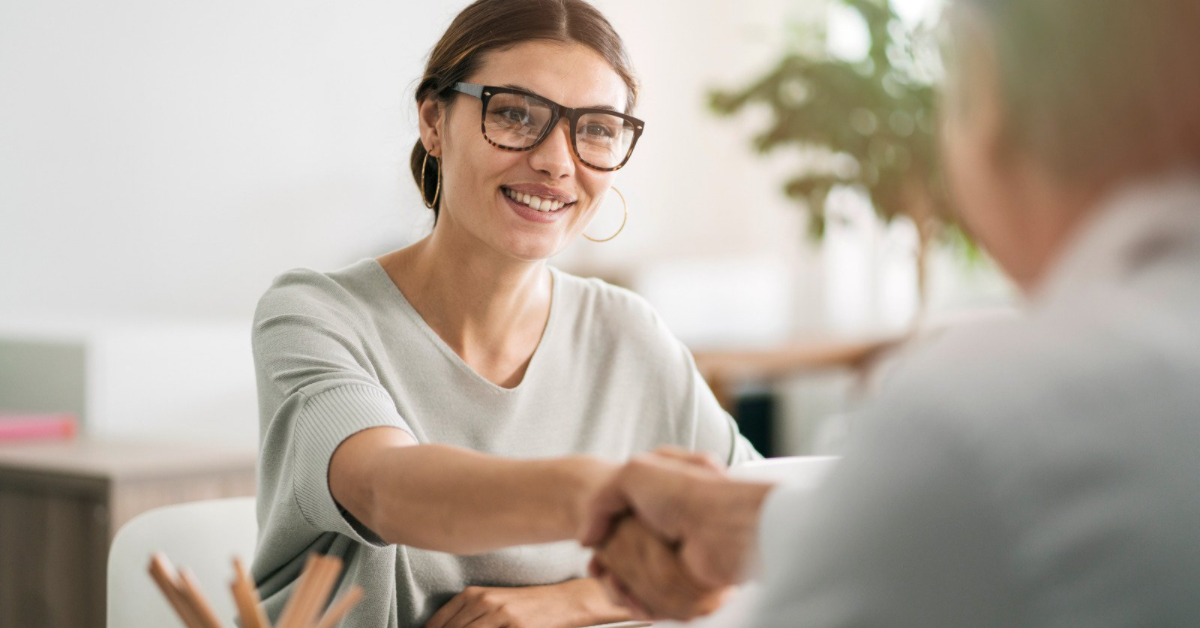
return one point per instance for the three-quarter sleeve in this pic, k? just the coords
(317, 387)
(703, 424)
(716, 432)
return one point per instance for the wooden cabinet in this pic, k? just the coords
(61, 504)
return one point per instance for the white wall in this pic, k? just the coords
(167, 159)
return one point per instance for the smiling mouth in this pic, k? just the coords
(546, 205)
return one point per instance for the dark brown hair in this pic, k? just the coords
(1097, 89)
(488, 25)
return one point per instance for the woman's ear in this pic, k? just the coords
(431, 115)
(981, 100)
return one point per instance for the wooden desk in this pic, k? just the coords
(724, 370)
(61, 503)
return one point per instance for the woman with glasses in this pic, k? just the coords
(438, 416)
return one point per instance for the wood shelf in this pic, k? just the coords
(724, 370)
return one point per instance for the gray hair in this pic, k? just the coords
(1096, 88)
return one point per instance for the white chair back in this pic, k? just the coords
(202, 536)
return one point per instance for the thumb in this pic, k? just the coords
(607, 505)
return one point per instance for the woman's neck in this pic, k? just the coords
(480, 303)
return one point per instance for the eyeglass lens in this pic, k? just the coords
(517, 121)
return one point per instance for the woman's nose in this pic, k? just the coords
(553, 156)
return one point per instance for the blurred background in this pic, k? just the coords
(161, 163)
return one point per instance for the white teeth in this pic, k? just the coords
(535, 202)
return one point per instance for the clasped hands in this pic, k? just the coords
(672, 534)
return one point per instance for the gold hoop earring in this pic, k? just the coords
(624, 219)
(428, 203)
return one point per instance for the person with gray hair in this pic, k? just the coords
(1037, 471)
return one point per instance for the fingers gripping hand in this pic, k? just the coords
(685, 499)
(643, 573)
(659, 488)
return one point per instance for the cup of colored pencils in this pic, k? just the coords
(303, 610)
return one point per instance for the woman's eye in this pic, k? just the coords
(599, 130)
(514, 115)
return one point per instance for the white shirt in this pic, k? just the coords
(1041, 471)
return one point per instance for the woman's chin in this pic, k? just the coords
(534, 248)
(535, 253)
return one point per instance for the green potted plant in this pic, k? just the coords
(867, 123)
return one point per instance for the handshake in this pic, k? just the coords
(672, 534)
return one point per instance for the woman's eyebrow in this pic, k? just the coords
(526, 89)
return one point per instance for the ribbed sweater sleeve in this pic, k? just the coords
(323, 422)
(315, 371)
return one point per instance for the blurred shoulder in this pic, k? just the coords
(993, 376)
(966, 359)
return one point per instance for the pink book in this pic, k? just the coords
(37, 426)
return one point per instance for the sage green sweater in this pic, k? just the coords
(339, 352)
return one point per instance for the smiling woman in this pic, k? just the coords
(430, 414)
(540, 162)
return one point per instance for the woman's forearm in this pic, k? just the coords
(459, 501)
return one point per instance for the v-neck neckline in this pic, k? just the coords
(452, 355)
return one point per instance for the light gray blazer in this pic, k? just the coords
(1041, 471)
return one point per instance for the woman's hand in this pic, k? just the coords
(581, 602)
(709, 520)
(644, 574)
